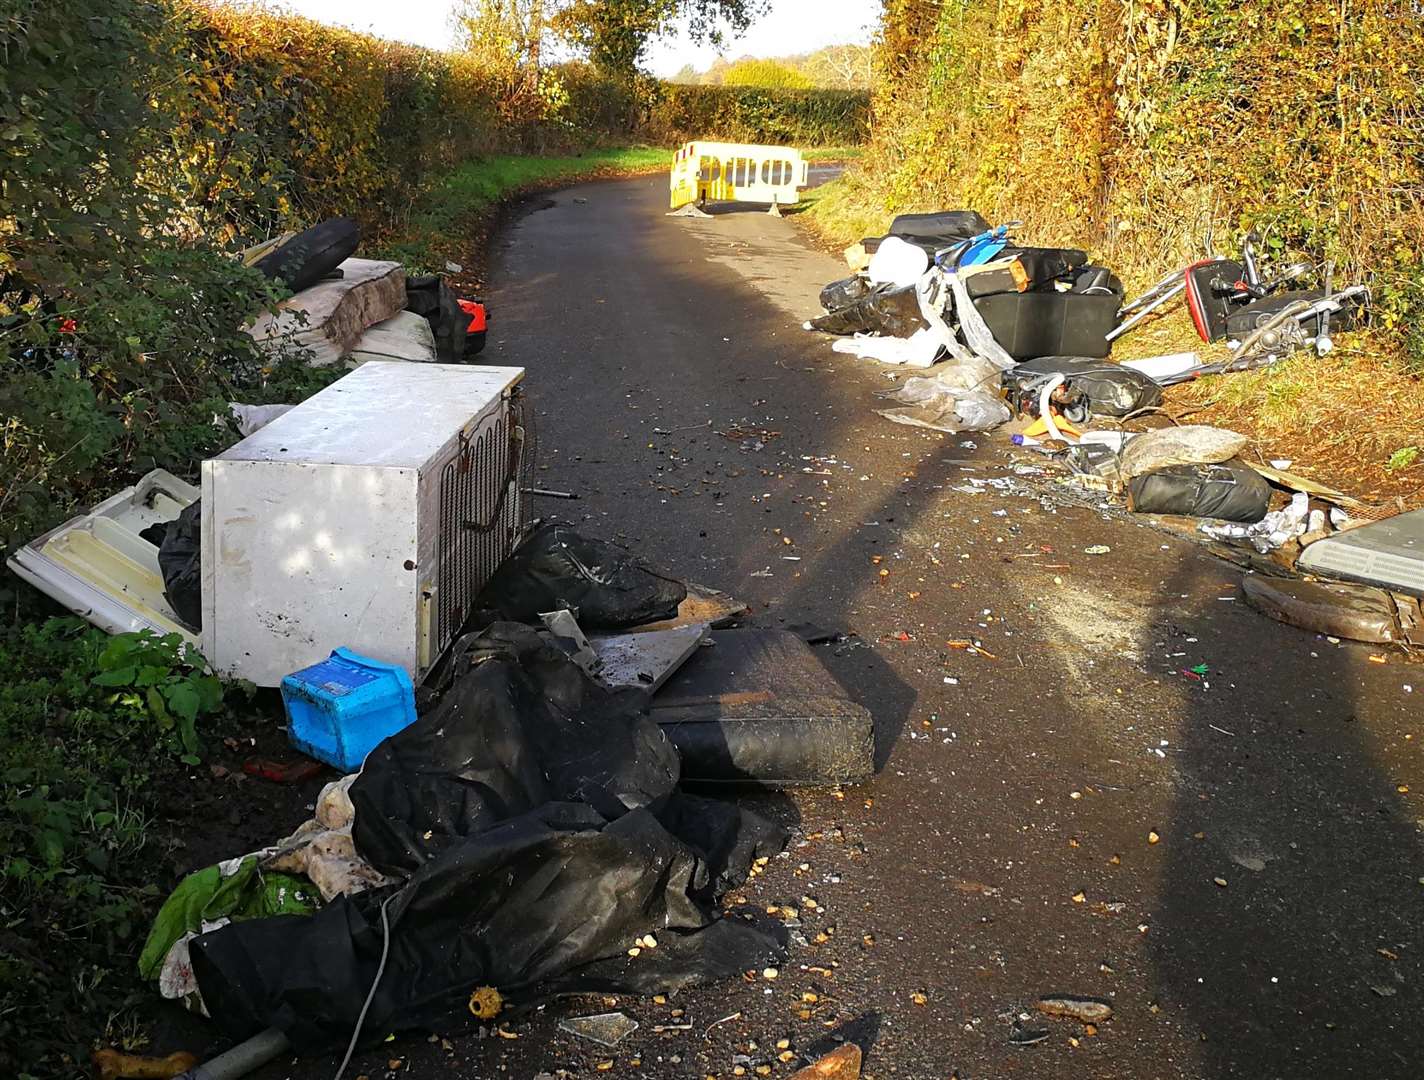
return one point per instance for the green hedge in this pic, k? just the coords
(754, 114)
(144, 143)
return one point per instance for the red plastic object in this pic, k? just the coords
(1196, 303)
(279, 772)
(476, 311)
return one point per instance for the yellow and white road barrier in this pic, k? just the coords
(735, 172)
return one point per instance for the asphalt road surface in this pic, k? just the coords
(1138, 790)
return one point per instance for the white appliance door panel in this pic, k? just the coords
(299, 559)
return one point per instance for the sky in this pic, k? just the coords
(790, 27)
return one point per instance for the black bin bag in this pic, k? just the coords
(893, 311)
(843, 293)
(433, 300)
(536, 825)
(556, 567)
(1110, 389)
(1231, 491)
(180, 562)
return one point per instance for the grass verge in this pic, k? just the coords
(96, 729)
(451, 219)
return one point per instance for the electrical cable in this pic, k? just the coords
(371, 994)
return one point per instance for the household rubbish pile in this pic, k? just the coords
(1010, 329)
(527, 834)
(1022, 335)
(349, 310)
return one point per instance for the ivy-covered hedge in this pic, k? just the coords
(1143, 128)
(753, 114)
(143, 141)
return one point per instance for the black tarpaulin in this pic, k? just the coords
(891, 310)
(536, 818)
(180, 560)
(608, 586)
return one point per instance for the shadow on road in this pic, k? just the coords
(1288, 932)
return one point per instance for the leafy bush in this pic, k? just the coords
(80, 716)
(1143, 129)
(757, 114)
(158, 677)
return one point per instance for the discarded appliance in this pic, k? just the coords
(758, 707)
(341, 707)
(1389, 553)
(369, 516)
(705, 172)
(101, 568)
(329, 318)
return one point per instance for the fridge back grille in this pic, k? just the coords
(480, 520)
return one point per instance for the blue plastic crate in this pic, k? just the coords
(339, 709)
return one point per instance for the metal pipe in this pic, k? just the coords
(245, 1057)
(1118, 331)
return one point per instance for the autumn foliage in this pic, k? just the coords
(1146, 130)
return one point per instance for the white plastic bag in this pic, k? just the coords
(897, 262)
(250, 418)
(917, 350)
(976, 410)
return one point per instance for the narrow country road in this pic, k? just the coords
(1231, 855)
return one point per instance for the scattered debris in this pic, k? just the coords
(606, 1029)
(1357, 612)
(1027, 1036)
(648, 659)
(1087, 1010)
(548, 493)
(116, 1065)
(842, 1063)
